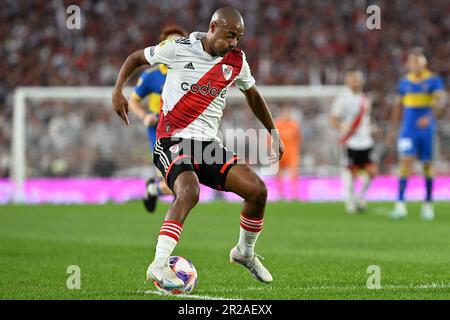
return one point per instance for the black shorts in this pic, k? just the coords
(210, 161)
(358, 158)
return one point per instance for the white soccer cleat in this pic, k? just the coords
(253, 264)
(427, 211)
(361, 205)
(399, 211)
(350, 207)
(164, 276)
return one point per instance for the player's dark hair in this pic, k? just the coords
(353, 70)
(417, 51)
(171, 30)
(356, 70)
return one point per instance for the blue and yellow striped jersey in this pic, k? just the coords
(417, 96)
(151, 83)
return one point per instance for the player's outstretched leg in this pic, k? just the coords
(427, 211)
(400, 210)
(186, 190)
(244, 182)
(154, 189)
(348, 178)
(370, 171)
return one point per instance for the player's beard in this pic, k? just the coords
(224, 52)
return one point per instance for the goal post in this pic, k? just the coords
(24, 95)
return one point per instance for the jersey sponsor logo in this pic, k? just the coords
(189, 66)
(206, 89)
(227, 71)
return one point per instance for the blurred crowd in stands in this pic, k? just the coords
(286, 42)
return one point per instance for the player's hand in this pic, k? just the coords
(120, 105)
(281, 149)
(278, 145)
(344, 130)
(150, 119)
(423, 122)
(390, 137)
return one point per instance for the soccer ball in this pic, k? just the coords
(185, 270)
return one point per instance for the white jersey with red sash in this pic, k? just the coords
(353, 109)
(194, 93)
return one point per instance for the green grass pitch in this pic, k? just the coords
(314, 251)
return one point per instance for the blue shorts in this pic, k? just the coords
(151, 133)
(417, 144)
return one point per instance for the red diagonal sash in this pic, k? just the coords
(191, 105)
(356, 122)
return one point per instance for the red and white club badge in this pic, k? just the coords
(175, 148)
(227, 71)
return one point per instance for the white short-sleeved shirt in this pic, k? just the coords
(346, 107)
(194, 93)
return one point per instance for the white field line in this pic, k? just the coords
(324, 287)
(293, 289)
(184, 296)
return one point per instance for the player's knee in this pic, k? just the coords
(189, 197)
(373, 171)
(354, 172)
(406, 161)
(258, 193)
(405, 167)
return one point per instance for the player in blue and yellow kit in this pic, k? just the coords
(421, 97)
(150, 83)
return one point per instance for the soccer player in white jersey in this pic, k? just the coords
(350, 115)
(200, 70)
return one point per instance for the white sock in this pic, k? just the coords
(348, 186)
(164, 249)
(247, 241)
(366, 180)
(249, 233)
(167, 241)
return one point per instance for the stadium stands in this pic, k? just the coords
(297, 42)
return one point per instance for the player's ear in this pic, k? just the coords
(423, 61)
(212, 26)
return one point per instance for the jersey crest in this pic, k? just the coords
(227, 71)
